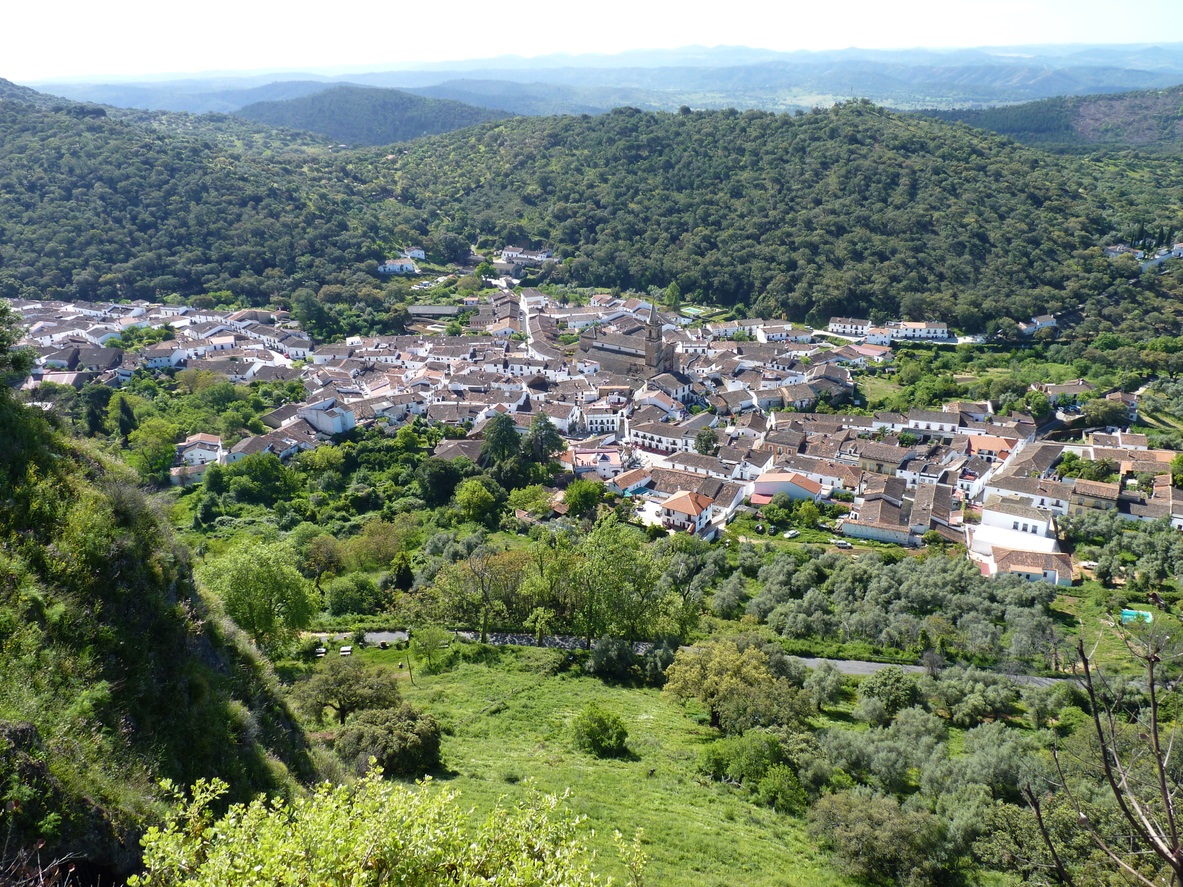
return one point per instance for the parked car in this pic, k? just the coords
(841, 543)
(792, 534)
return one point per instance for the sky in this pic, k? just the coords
(72, 39)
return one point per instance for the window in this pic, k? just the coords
(1015, 525)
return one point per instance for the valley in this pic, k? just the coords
(316, 438)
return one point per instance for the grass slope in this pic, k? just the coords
(511, 721)
(113, 672)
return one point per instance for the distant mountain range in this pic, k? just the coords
(700, 78)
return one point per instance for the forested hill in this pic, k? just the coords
(847, 210)
(96, 208)
(23, 95)
(359, 115)
(1144, 119)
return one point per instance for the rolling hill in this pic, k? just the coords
(1142, 119)
(23, 95)
(701, 77)
(368, 116)
(541, 99)
(851, 210)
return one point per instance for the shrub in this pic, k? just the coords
(744, 759)
(656, 660)
(612, 659)
(780, 790)
(600, 732)
(729, 598)
(874, 840)
(891, 686)
(356, 593)
(403, 741)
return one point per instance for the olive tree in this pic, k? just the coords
(345, 686)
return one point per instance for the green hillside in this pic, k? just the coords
(365, 116)
(96, 208)
(114, 674)
(849, 210)
(1144, 119)
(854, 209)
(23, 95)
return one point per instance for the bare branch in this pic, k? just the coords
(1061, 872)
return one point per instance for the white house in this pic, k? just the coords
(1042, 322)
(662, 437)
(686, 511)
(603, 417)
(328, 417)
(848, 326)
(200, 449)
(796, 486)
(930, 421)
(602, 461)
(398, 266)
(1012, 513)
(918, 329)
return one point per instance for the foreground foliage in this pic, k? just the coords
(375, 833)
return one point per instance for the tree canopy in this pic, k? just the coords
(262, 590)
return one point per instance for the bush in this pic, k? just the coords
(729, 598)
(353, 594)
(780, 790)
(612, 659)
(874, 840)
(774, 703)
(600, 733)
(891, 686)
(403, 741)
(656, 660)
(744, 759)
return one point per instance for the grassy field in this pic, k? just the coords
(510, 722)
(877, 388)
(1150, 420)
(1084, 613)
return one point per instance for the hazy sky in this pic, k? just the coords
(74, 39)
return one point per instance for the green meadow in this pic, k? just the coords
(508, 720)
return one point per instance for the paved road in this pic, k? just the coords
(374, 638)
(567, 642)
